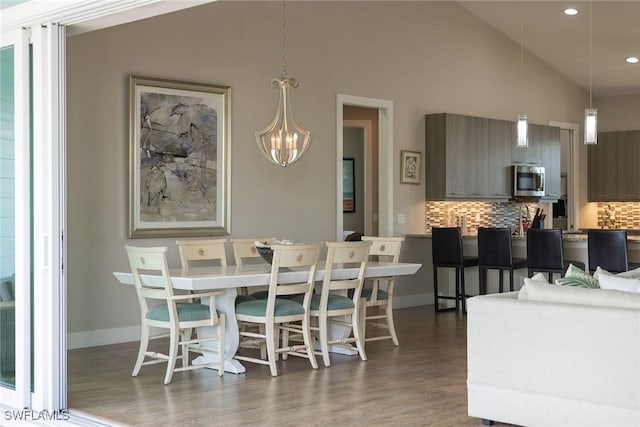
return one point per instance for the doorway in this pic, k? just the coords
(565, 211)
(372, 119)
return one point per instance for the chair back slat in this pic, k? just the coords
(244, 249)
(387, 247)
(202, 250)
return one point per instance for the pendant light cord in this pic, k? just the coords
(521, 61)
(590, 57)
(284, 40)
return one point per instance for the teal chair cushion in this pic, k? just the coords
(334, 302)
(366, 293)
(243, 298)
(258, 307)
(187, 312)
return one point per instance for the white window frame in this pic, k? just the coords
(20, 396)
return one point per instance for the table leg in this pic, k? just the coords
(224, 304)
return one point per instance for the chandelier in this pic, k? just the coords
(283, 141)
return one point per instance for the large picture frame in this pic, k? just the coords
(179, 158)
(410, 167)
(348, 185)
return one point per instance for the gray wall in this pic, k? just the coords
(426, 57)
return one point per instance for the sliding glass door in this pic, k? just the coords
(15, 221)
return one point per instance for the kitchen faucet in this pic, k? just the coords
(521, 225)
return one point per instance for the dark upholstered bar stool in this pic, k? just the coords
(545, 253)
(447, 253)
(607, 249)
(495, 253)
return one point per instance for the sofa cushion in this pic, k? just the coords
(619, 283)
(535, 291)
(577, 277)
(631, 274)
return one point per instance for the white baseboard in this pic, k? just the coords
(102, 337)
(132, 333)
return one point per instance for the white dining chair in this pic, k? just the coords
(245, 250)
(277, 313)
(333, 303)
(378, 292)
(177, 313)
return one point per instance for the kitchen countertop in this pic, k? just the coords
(569, 236)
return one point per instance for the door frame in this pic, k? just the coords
(574, 166)
(385, 160)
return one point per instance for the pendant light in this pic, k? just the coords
(283, 141)
(590, 114)
(522, 140)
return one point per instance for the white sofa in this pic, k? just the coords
(555, 356)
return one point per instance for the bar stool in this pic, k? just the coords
(545, 253)
(495, 253)
(607, 249)
(447, 253)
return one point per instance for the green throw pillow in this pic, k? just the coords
(579, 278)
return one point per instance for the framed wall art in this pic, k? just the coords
(179, 158)
(348, 185)
(410, 164)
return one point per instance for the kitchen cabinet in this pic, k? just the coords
(550, 159)
(529, 156)
(613, 167)
(457, 157)
(470, 158)
(502, 136)
(628, 161)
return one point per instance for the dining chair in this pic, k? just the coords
(177, 313)
(278, 313)
(378, 292)
(332, 304)
(245, 250)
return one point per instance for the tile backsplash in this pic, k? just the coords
(622, 215)
(475, 214)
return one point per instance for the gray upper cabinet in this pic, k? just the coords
(612, 167)
(470, 158)
(502, 136)
(550, 159)
(628, 160)
(457, 156)
(529, 156)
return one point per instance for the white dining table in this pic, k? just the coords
(229, 278)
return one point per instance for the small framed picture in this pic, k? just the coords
(410, 164)
(348, 185)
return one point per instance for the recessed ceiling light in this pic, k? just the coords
(632, 60)
(570, 11)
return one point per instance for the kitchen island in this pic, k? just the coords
(575, 248)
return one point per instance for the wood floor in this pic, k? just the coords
(419, 383)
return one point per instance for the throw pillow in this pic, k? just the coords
(538, 278)
(618, 283)
(575, 276)
(631, 274)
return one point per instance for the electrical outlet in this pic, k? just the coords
(400, 218)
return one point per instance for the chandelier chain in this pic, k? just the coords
(284, 40)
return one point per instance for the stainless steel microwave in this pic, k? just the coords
(528, 181)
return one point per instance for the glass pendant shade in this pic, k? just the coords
(284, 141)
(591, 126)
(522, 140)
